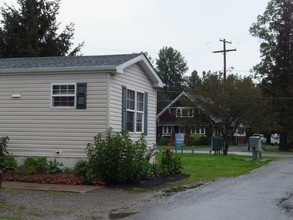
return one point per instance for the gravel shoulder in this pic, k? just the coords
(103, 203)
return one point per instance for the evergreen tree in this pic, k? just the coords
(275, 29)
(31, 31)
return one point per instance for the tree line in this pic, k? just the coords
(266, 106)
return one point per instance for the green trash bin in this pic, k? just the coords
(217, 144)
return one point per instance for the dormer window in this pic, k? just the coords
(184, 112)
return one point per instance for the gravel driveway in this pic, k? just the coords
(104, 203)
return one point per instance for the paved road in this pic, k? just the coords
(266, 193)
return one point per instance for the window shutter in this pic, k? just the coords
(124, 107)
(145, 113)
(81, 89)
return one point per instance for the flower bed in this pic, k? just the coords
(67, 179)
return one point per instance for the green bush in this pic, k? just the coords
(163, 140)
(35, 165)
(8, 164)
(195, 139)
(3, 146)
(115, 158)
(170, 163)
(80, 168)
(54, 167)
(205, 141)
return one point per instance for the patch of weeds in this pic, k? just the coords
(96, 218)
(22, 208)
(172, 190)
(7, 218)
(36, 213)
(138, 190)
(3, 204)
(180, 188)
(120, 215)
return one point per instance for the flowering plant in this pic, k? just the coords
(170, 163)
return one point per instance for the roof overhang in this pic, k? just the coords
(60, 69)
(112, 69)
(172, 103)
(146, 66)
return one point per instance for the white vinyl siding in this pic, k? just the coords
(36, 129)
(135, 79)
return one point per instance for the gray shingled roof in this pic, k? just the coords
(65, 62)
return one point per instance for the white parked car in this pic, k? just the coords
(275, 139)
(263, 139)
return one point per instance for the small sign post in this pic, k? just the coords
(179, 141)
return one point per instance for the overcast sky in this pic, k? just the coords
(193, 27)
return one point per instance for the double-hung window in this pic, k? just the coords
(184, 112)
(167, 130)
(68, 95)
(135, 111)
(134, 117)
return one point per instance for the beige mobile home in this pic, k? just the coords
(54, 106)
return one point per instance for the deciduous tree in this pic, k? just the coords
(231, 103)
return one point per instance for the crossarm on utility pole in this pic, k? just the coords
(224, 51)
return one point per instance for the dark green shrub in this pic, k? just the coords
(81, 168)
(67, 170)
(170, 163)
(163, 140)
(115, 158)
(54, 167)
(195, 139)
(204, 141)
(3, 146)
(8, 164)
(35, 165)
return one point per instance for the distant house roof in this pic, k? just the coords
(111, 63)
(174, 101)
(192, 99)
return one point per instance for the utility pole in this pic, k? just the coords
(224, 111)
(224, 51)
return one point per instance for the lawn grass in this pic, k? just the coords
(8, 218)
(277, 150)
(205, 167)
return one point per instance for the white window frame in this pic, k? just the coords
(198, 130)
(179, 112)
(63, 95)
(168, 128)
(136, 111)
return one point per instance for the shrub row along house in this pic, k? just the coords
(54, 106)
